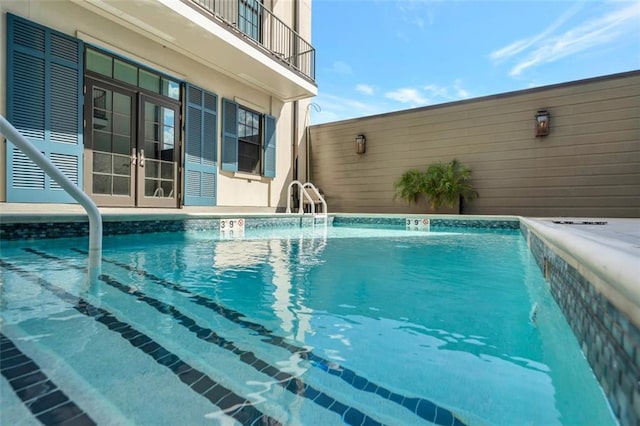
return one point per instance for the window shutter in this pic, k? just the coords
(201, 148)
(229, 135)
(269, 146)
(44, 102)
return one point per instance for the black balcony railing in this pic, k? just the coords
(251, 19)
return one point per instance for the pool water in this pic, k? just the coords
(315, 326)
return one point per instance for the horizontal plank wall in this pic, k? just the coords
(589, 165)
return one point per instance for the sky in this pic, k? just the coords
(377, 56)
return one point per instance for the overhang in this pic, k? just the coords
(191, 31)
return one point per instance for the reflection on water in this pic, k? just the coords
(286, 258)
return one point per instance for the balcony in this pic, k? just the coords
(263, 28)
(239, 38)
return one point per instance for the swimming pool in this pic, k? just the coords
(295, 326)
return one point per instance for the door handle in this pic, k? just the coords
(141, 160)
(134, 160)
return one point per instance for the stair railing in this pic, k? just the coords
(309, 185)
(303, 193)
(95, 219)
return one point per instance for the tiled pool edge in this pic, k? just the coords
(71, 226)
(609, 340)
(64, 228)
(489, 222)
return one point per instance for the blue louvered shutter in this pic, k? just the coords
(269, 146)
(201, 148)
(229, 135)
(44, 102)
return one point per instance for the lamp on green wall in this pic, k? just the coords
(543, 119)
(361, 144)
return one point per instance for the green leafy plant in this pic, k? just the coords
(441, 183)
(410, 185)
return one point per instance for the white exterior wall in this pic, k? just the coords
(237, 189)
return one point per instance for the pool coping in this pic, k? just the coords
(611, 265)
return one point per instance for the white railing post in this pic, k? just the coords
(320, 197)
(95, 219)
(302, 194)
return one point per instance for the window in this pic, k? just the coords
(248, 140)
(250, 17)
(130, 73)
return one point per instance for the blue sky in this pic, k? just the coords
(376, 56)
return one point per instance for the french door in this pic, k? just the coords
(131, 147)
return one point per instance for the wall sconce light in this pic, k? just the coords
(361, 144)
(543, 119)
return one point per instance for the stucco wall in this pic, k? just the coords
(238, 190)
(589, 165)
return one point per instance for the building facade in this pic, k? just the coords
(157, 103)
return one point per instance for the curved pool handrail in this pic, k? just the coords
(317, 194)
(95, 219)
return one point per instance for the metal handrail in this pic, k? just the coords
(95, 219)
(266, 30)
(320, 197)
(302, 192)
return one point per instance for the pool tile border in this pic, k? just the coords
(436, 222)
(62, 229)
(609, 341)
(28, 230)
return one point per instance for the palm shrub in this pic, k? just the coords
(410, 186)
(441, 183)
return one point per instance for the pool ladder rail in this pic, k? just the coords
(95, 219)
(307, 194)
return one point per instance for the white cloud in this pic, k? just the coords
(547, 47)
(407, 95)
(365, 88)
(334, 108)
(446, 93)
(414, 12)
(520, 45)
(340, 67)
(461, 93)
(437, 91)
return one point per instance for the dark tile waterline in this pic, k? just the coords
(349, 376)
(49, 404)
(164, 357)
(236, 406)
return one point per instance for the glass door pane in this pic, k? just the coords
(111, 145)
(158, 169)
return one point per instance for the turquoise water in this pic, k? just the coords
(310, 326)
